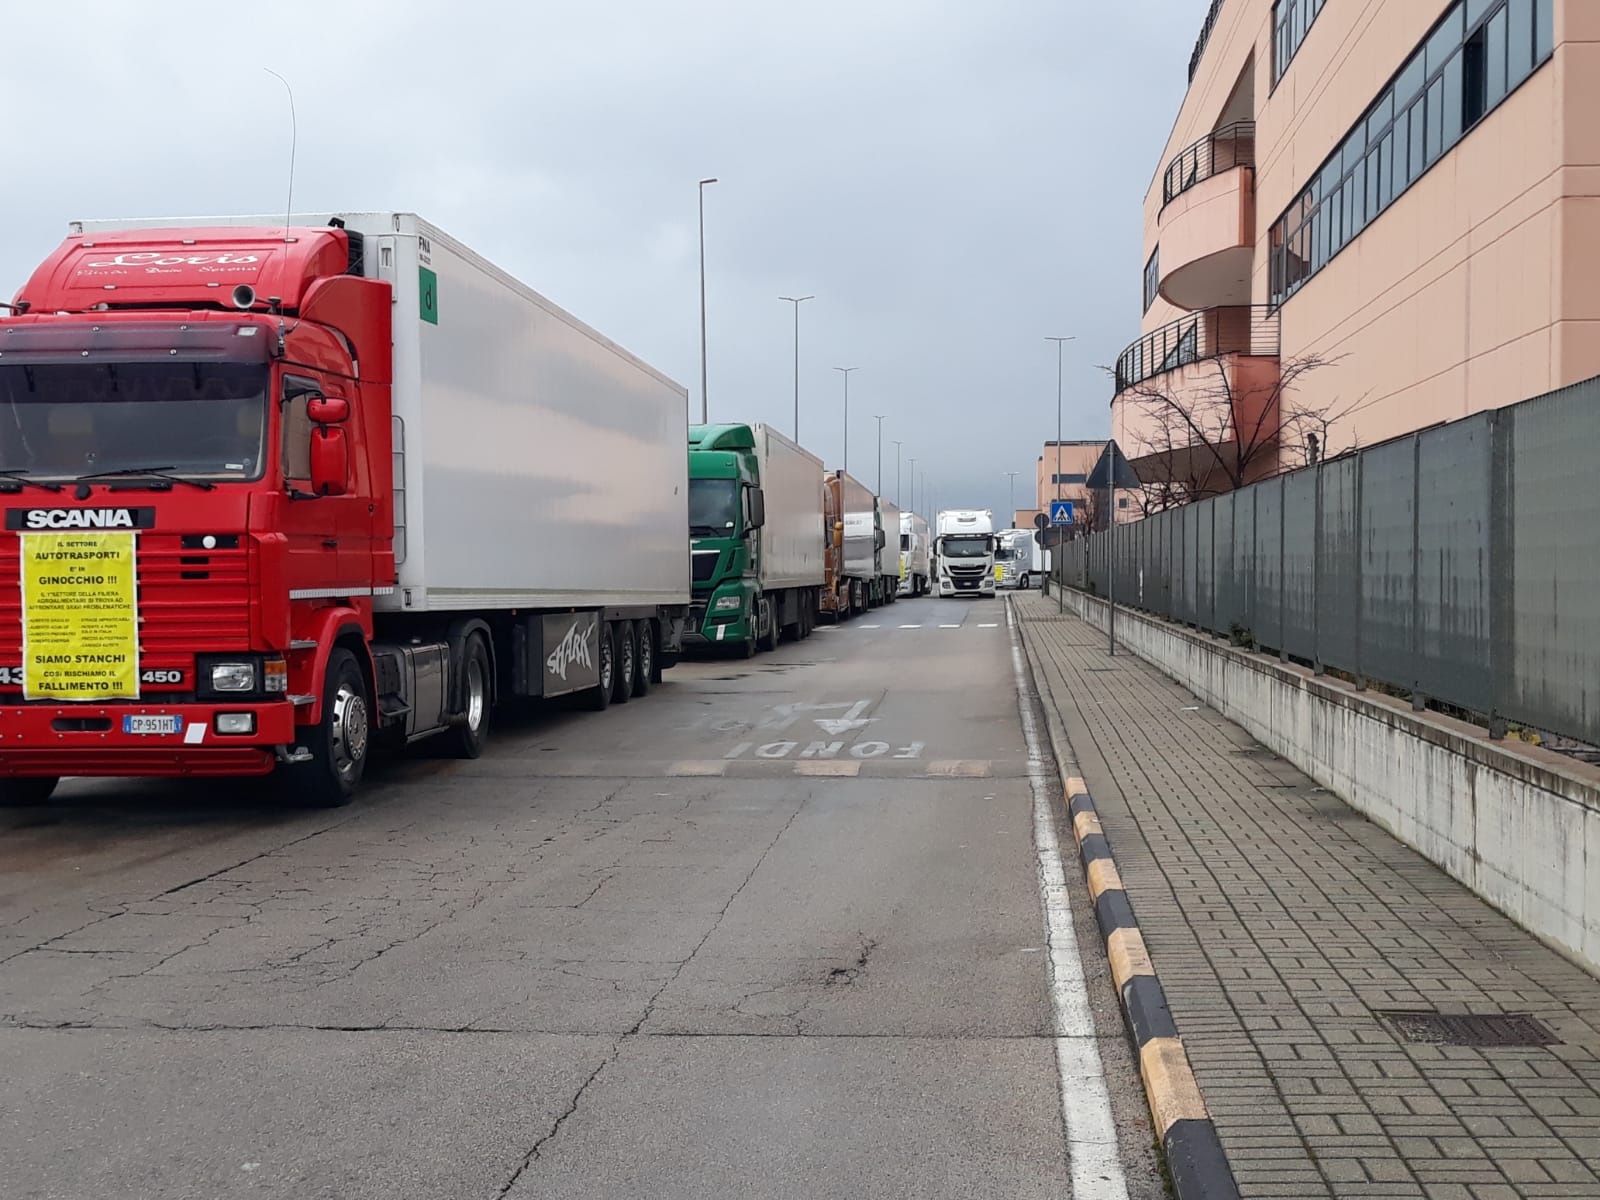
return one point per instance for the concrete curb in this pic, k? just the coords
(1189, 1137)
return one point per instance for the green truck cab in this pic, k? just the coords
(755, 537)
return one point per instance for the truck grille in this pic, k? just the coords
(189, 600)
(705, 564)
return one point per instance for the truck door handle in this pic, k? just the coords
(330, 544)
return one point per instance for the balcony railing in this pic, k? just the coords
(1220, 150)
(1211, 333)
(1205, 36)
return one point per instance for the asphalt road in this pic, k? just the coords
(774, 931)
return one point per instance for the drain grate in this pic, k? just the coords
(1469, 1029)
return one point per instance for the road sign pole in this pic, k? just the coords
(1111, 574)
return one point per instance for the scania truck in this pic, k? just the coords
(755, 537)
(854, 544)
(275, 491)
(914, 550)
(965, 552)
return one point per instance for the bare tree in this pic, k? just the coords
(1217, 437)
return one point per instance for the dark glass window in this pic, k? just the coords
(1152, 278)
(1291, 22)
(1475, 57)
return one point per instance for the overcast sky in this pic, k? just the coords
(954, 181)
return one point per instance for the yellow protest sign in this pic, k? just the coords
(80, 620)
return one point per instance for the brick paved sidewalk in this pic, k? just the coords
(1282, 924)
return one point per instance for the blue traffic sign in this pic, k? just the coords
(1061, 512)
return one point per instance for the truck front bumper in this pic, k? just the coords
(715, 629)
(95, 739)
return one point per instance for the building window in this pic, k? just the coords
(1122, 502)
(1291, 21)
(1477, 55)
(1152, 278)
(1068, 479)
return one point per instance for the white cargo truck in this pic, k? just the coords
(914, 554)
(888, 551)
(965, 552)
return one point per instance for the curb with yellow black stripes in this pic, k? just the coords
(1189, 1137)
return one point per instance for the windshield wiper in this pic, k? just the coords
(154, 472)
(21, 477)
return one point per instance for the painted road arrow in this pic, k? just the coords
(852, 720)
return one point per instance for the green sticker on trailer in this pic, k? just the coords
(428, 290)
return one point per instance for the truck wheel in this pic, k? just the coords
(467, 739)
(339, 744)
(627, 658)
(27, 791)
(769, 638)
(645, 673)
(598, 698)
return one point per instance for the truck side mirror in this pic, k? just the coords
(758, 508)
(328, 410)
(330, 462)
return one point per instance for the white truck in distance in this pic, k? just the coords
(965, 552)
(914, 555)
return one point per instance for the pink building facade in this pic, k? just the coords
(1371, 216)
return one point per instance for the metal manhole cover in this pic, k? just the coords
(1466, 1029)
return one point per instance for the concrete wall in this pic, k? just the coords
(1518, 825)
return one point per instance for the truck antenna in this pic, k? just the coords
(288, 208)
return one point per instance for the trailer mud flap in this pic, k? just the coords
(571, 647)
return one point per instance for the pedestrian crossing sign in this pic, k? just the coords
(1061, 512)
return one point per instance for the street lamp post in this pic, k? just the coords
(844, 464)
(897, 445)
(1013, 476)
(879, 420)
(1060, 343)
(703, 402)
(797, 301)
(913, 485)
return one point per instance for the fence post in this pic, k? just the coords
(1317, 666)
(1502, 518)
(1283, 572)
(1418, 700)
(1361, 555)
(1211, 625)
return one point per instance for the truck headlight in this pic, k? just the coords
(728, 604)
(236, 723)
(233, 677)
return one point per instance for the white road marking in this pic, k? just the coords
(869, 626)
(911, 627)
(852, 719)
(949, 627)
(1092, 1154)
(989, 625)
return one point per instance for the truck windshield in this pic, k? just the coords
(63, 420)
(713, 507)
(966, 547)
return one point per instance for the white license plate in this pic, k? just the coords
(147, 724)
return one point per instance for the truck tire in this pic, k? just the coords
(627, 659)
(769, 635)
(598, 698)
(340, 742)
(27, 791)
(644, 637)
(466, 740)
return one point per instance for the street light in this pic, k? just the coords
(844, 464)
(897, 446)
(797, 301)
(1060, 342)
(913, 485)
(879, 420)
(703, 401)
(1013, 475)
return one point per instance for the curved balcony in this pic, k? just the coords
(1249, 330)
(1208, 221)
(1197, 387)
(1220, 150)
